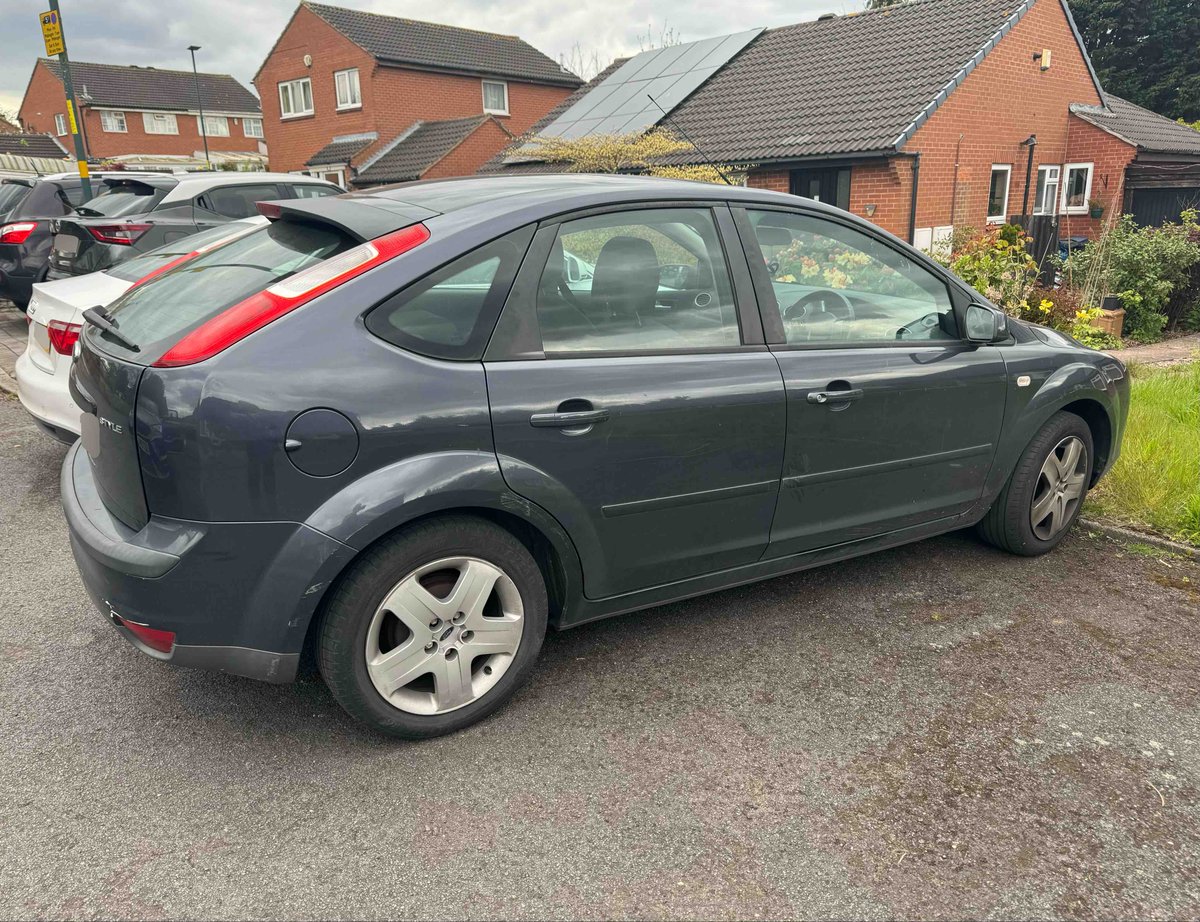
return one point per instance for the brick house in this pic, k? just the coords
(926, 116)
(131, 110)
(344, 89)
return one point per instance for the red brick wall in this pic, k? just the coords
(478, 148)
(45, 97)
(1110, 155)
(888, 186)
(393, 98)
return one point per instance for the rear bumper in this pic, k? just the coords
(238, 596)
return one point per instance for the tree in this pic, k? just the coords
(1146, 51)
(625, 153)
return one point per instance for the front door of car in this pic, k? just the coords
(892, 418)
(645, 415)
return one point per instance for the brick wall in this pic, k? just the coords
(45, 97)
(1111, 156)
(888, 186)
(477, 149)
(392, 97)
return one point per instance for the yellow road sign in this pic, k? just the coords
(52, 32)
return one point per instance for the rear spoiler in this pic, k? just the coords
(363, 219)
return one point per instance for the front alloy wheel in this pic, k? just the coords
(1059, 488)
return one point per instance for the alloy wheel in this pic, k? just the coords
(444, 635)
(1059, 488)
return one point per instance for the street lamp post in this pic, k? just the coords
(200, 104)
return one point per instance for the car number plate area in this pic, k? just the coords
(66, 245)
(89, 434)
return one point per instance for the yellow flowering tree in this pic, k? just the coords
(637, 152)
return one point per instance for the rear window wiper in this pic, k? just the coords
(97, 317)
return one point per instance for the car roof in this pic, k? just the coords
(234, 177)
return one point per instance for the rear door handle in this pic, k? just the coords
(576, 419)
(836, 397)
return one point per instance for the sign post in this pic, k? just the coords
(52, 34)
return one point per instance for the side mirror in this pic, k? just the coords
(985, 324)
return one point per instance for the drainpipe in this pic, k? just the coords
(1031, 143)
(954, 184)
(912, 211)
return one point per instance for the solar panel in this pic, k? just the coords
(620, 103)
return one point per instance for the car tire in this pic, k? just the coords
(423, 574)
(1037, 508)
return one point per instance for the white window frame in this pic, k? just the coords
(483, 89)
(1057, 183)
(353, 95)
(110, 119)
(1066, 185)
(209, 121)
(292, 86)
(258, 122)
(149, 120)
(60, 124)
(1006, 168)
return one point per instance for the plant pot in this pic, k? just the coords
(1096, 212)
(1110, 322)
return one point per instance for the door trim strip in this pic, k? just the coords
(687, 499)
(881, 467)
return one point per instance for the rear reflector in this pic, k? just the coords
(256, 311)
(17, 233)
(168, 266)
(162, 641)
(63, 335)
(121, 234)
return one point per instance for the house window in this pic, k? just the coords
(997, 210)
(113, 121)
(215, 126)
(60, 124)
(346, 83)
(159, 123)
(295, 98)
(495, 97)
(1047, 190)
(252, 127)
(1077, 188)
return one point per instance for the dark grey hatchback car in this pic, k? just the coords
(407, 431)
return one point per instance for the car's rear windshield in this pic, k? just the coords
(11, 193)
(140, 266)
(121, 199)
(158, 314)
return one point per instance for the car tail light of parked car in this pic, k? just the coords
(18, 232)
(120, 234)
(256, 311)
(63, 336)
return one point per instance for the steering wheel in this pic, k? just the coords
(919, 326)
(829, 304)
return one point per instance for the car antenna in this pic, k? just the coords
(683, 134)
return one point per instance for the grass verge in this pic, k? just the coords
(1156, 482)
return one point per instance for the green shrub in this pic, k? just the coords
(998, 265)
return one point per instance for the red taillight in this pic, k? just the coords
(121, 234)
(63, 335)
(256, 311)
(162, 641)
(18, 232)
(166, 267)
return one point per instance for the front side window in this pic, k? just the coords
(835, 285)
(215, 126)
(637, 281)
(159, 123)
(295, 98)
(451, 313)
(1077, 188)
(346, 83)
(997, 210)
(252, 127)
(112, 121)
(495, 97)
(60, 124)
(1047, 190)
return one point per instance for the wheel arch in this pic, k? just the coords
(1093, 412)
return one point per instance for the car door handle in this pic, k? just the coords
(571, 420)
(837, 397)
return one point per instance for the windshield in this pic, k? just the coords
(11, 193)
(124, 199)
(157, 314)
(141, 266)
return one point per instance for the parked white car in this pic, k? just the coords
(55, 320)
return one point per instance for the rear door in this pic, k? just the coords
(892, 418)
(639, 405)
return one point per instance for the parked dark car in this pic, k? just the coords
(386, 430)
(131, 216)
(25, 232)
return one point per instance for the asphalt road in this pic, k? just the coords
(935, 731)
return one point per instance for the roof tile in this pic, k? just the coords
(153, 88)
(418, 148)
(1141, 127)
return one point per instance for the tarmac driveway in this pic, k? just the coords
(936, 731)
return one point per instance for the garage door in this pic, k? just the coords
(1158, 206)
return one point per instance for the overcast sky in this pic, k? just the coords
(236, 35)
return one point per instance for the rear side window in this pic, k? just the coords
(239, 201)
(450, 313)
(11, 194)
(118, 199)
(156, 315)
(48, 199)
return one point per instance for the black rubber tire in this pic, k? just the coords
(1007, 524)
(348, 614)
